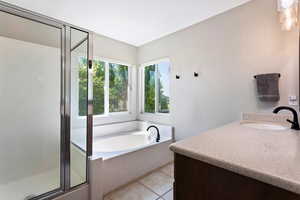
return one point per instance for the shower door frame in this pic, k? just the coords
(65, 105)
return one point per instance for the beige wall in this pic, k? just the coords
(226, 50)
(115, 50)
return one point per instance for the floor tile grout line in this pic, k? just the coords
(159, 196)
(167, 192)
(148, 188)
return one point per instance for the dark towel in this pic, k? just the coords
(268, 87)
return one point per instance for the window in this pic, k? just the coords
(157, 87)
(110, 87)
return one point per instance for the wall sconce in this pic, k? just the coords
(288, 13)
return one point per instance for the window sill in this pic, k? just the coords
(116, 117)
(112, 114)
(113, 118)
(164, 118)
(155, 114)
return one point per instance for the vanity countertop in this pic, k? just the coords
(270, 156)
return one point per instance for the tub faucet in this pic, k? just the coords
(295, 122)
(157, 131)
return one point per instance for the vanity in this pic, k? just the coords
(257, 158)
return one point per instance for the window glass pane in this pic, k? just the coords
(98, 86)
(82, 86)
(118, 87)
(150, 89)
(163, 87)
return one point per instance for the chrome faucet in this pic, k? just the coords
(157, 131)
(295, 122)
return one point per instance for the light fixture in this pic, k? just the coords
(288, 13)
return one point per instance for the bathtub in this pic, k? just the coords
(117, 144)
(127, 153)
(121, 142)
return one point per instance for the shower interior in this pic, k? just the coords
(39, 61)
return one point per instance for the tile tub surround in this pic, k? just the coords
(157, 185)
(269, 156)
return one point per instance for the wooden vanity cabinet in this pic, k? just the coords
(196, 180)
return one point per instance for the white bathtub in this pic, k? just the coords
(129, 154)
(118, 139)
(126, 152)
(123, 142)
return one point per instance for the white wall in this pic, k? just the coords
(226, 50)
(30, 109)
(113, 49)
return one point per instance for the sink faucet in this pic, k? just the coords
(295, 122)
(157, 131)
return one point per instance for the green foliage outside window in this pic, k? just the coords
(161, 73)
(83, 77)
(164, 102)
(118, 88)
(149, 89)
(98, 86)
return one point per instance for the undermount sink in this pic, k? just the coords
(264, 126)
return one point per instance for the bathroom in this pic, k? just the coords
(89, 108)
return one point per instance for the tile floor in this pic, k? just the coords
(157, 185)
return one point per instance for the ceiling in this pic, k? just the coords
(132, 21)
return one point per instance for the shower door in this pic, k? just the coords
(81, 109)
(30, 108)
(45, 115)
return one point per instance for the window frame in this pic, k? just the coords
(106, 87)
(142, 89)
(111, 117)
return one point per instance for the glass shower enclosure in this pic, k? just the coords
(45, 107)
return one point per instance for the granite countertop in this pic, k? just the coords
(269, 156)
